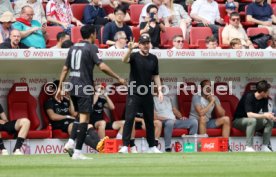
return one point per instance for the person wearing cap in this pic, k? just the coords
(5, 5)
(6, 21)
(152, 25)
(14, 41)
(32, 32)
(235, 30)
(143, 69)
(253, 114)
(229, 8)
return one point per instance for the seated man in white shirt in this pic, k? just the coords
(206, 13)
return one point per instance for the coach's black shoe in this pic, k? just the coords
(168, 149)
(70, 152)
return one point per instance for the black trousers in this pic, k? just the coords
(134, 104)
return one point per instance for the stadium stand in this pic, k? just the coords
(135, 11)
(167, 37)
(198, 36)
(52, 32)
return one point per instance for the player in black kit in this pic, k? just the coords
(81, 59)
(143, 69)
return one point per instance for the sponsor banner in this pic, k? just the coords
(161, 54)
(56, 146)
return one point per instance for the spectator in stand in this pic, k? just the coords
(272, 46)
(230, 7)
(252, 114)
(33, 34)
(179, 17)
(111, 28)
(172, 118)
(163, 13)
(211, 42)
(5, 5)
(61, 37)
(67, 44)
(206, 13)
(13, 42)
(152, 25)
(39, 13)
(202, 107)
(261, 13)
(78, 1)
(6, 21)
(20, 126)
(95, 14)
(124, 4)
(235, 30)
(236, 44)
(178, 42)
(59, 12)
(120, 39)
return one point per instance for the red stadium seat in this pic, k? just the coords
(167, 36)
(135, 11)
(257, 30)
(42, 98)
(136, 33)
(198, 36)
(78, 10)
(108, 9)
(22, 104)
(250, 87)
(75, 34)
(229, 102)
(185, 96)
(52, 32)
(6, 135)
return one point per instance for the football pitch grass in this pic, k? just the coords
(146, 165)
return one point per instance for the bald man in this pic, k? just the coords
(14, 41)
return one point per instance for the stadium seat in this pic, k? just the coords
(223, 46)
(184, 100)
(229, 102)
(78, 10)
(42, 98)
(22, 104)
(52, 32)
(250, 87)
(256, 31)
(6, 135)
(135, 33)
(135, 11)
(198, 36)
(75, 34)
(167, 36)
(108, 9)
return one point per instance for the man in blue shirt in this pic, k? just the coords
(261, 13)
(31, 31)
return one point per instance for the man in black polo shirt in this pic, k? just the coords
(81, 59)
(13, 42)
(143, 68)
(252, 115)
